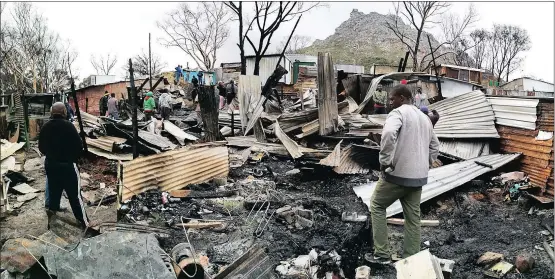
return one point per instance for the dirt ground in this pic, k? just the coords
(473, 220)
(30, 218)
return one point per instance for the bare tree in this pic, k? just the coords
(297, 42)
(268, 17)
(29, 49)
(507, 42)
(237, 10)
(480, 39)
(422, 16)
(104, 64)
(198, 33)
(140, 64)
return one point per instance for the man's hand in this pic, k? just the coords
(383, 168)
(342, 93)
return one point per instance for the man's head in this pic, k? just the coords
(380, 87)
(424, 109)
(58, 109)
(113, 95)
(400, 95)
(150, 94)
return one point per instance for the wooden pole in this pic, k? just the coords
(149, 62)
(134, 123)
(439, 95)
(405, 62)
(77, 110)
(400, 66)
(78, 113)
(327, 98)
(209, 112)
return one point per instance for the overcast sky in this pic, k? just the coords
(122, 28)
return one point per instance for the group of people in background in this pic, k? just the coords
(108, 105)
(380, 98)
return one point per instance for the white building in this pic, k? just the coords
(528, 84)
(99, 80)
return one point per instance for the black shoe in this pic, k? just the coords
(376, 260)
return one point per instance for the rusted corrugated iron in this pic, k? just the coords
(537, 159)
(174, 170)
(101, 143)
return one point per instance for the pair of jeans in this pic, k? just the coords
(65, 177)
(384, 195)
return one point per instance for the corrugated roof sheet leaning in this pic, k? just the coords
(464, 149)
(465, 116)
(442, 179)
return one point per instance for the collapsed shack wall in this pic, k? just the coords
(521, 123)
(172, 170)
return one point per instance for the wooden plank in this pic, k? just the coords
(327, 98)
(423, 223)
(421, 265)
(180, 193)
(179, 134)
(291, 146)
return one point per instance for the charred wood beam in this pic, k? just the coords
(400, 67)
(439, 95)
(327, 98)
(157, 82)
(405, 62)
(143, 84)
(134, 111)
(209, 111)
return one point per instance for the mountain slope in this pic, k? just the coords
(364, 39)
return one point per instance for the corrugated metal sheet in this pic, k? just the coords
(537, 155)
(267, 67)
(515, 112)
(302, 58)
(464, 149)
(174, 170)
(466, 116)
(442, 179)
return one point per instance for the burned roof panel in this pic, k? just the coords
(443, 179)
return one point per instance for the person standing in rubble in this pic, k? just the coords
(340, 89)
(408, 148)
(178, 73)
(103, 104)
(149, 105)
(221, 93)
(433, 115)
(194, 92)
(231, 92)
(164, 105)
(380, 99)
(113, 107)
(60, 164)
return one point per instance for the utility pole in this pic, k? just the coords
(149, 62)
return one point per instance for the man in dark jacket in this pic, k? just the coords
(61, 144)
(103, 104)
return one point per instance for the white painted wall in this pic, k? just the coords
(267, 67)
(530, 85)
(452, 88)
